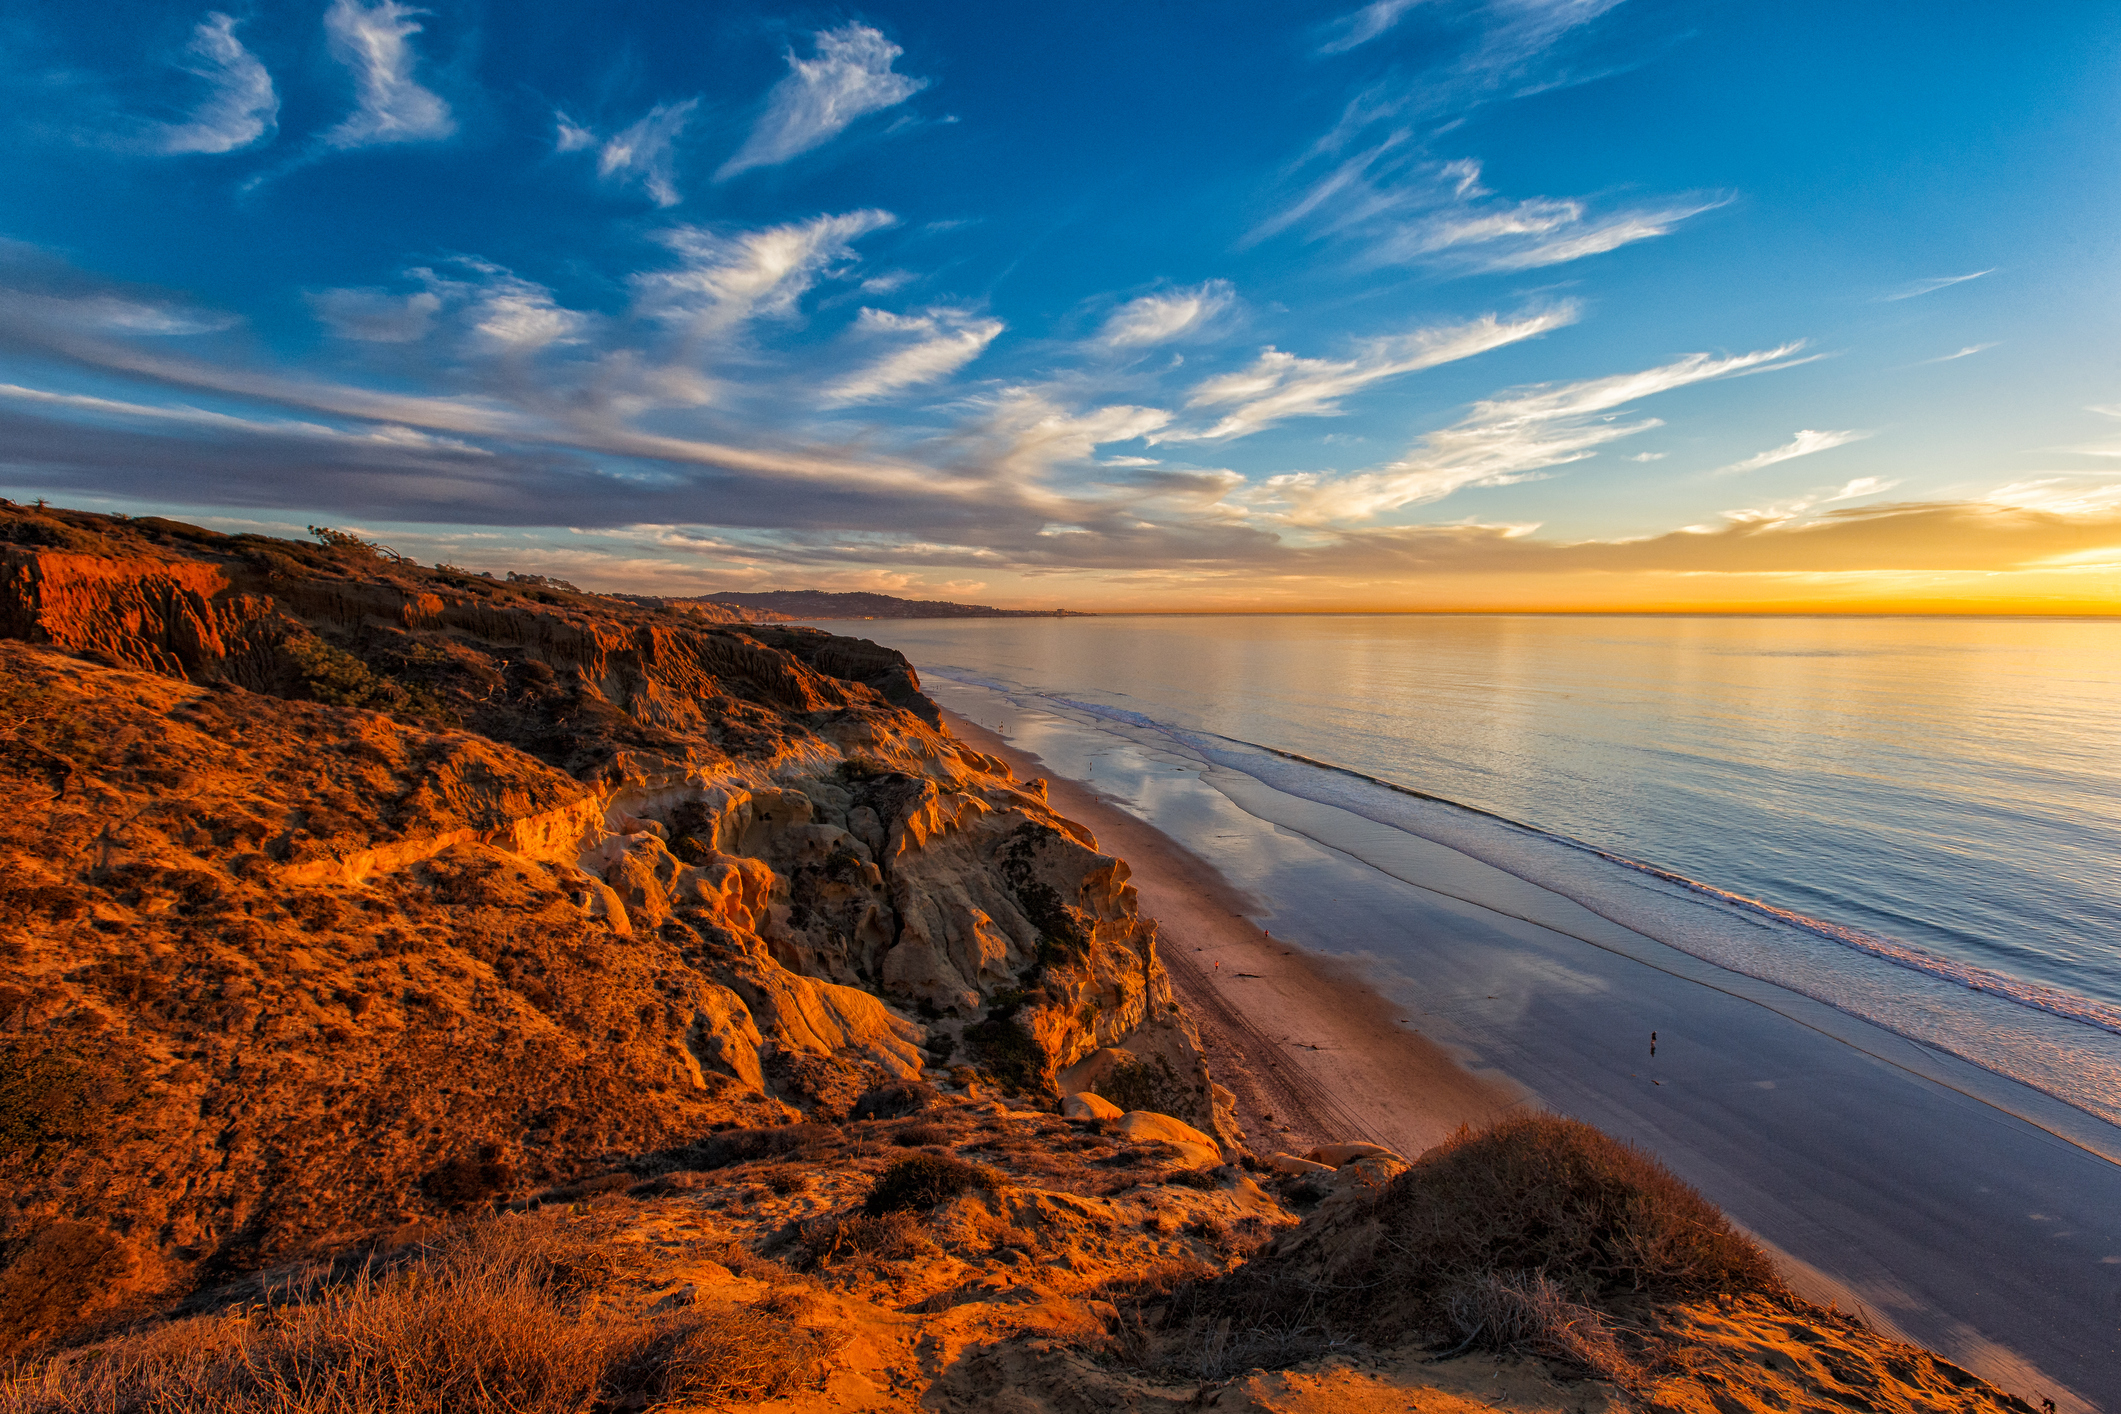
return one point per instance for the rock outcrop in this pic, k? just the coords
(343, 894)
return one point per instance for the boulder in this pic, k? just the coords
(1088, 1106)
(1196, 1149)
(1334, 1155)
(1289, 1163)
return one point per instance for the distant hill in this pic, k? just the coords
(817, 604)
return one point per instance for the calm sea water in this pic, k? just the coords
(1925, 812)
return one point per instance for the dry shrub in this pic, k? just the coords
(893, 1237)
(742, 1146)
(924, 1181)
(741, 1353)
(499, 1319)
(896, 1101)
(920, 1136)
(1528, 1235)
(1524, 1311)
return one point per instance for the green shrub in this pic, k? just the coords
(334, 676)
(924, 1181)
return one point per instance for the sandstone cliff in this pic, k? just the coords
(341, 893)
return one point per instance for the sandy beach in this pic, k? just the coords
(1943, 1218)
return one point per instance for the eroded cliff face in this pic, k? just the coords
(337, 894)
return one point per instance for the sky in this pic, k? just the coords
(1419, 304)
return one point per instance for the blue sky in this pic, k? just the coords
(1431, 304)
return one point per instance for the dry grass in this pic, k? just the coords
(502, 1318)
(1534, 1235)
(924, 1181)
(741, 1353)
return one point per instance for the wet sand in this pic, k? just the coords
(1948, 1220)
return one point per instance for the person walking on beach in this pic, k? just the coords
(1653, 1043)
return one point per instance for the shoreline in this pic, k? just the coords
(1946, 1222)
(1310, 1031)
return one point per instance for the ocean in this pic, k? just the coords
(1915, 821)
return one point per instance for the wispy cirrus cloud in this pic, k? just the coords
(241, 106)
(1924, 287)
(1487, 49)
(1969, 351)
(1402, 209)
(1806, 443)
(925, 348)
(726, 278)
(1359, 27)
(1505, 440)
(374, 43)
(643, 154)
(1162, 317)
(1781, 511)
(850, 76)
(1278, 386)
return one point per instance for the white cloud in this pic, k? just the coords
(1804, 444)
(241, 107)
(1159, 318)
(389, 435)
(1407, 211)
(376, 316)
(570, 136)
(1505, 440)
(374, 42)
(850, 76)
(1649, 456)
(495, 311)
(1923, 287)
(1824, 496)
(1027, 432)
(514, 315)
(1281, 385)
(1364, 25)
(2060, 495)
(1861, 486)
(726, 279)
(932, 346)
(1963, 353)
(645, 152)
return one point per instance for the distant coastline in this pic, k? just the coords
(819, 604)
